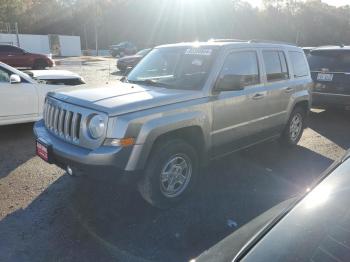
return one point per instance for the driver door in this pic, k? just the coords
(238, 116)
(18, 100)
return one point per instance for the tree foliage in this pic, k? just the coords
(152, 22)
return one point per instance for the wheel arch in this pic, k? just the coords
(191, 128)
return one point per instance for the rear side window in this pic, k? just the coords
(275, 66)
(4, 76)
(332, 61)
(243, 65)
(8, 48)
(300, 67)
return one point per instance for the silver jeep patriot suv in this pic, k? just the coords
(181, 106)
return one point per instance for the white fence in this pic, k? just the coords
(69, 45)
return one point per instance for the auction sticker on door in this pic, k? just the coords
(324, 77)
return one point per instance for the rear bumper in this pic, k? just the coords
(103, 161)
(323, 100)
(122, 66)
(50, 63)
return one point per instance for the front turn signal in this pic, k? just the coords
(123, 142)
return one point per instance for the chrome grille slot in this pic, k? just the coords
(67, 124)
(52, 109)
(77, 127)
(61, 122)
(57, 112)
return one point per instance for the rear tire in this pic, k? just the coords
(294, 128)
(170, 174)
(39, 64)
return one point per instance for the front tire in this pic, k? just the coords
(294, 128)
(40, 64)
(170, 174)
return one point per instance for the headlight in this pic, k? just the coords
(96, 126)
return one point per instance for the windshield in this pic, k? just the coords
(330, 61)
(317, 229)
(143, 52)
(179, 68)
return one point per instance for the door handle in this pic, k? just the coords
(288, 90)
(258, 96)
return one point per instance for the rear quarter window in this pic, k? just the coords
(275, 66)
(299, 64)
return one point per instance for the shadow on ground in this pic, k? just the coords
(16, 146)
(91, 220)
(77, 219)
(332, 124)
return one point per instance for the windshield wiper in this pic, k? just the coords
(148, 82)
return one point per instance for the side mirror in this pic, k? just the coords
(15, 79)
(230, 83)
(128, 70)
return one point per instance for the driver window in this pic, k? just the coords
(242, 67)
(4, 76)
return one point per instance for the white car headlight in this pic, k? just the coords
(96, 126)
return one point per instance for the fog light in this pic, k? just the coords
(69, 171)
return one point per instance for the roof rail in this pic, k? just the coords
(270, 42)
(251, 41)
(324, 46)
(226, 40)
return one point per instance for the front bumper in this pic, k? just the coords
(105, 160)
(324, 100)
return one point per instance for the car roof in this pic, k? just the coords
(233, 43)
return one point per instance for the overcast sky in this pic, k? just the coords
(330, 2)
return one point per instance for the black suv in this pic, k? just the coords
(330, 71)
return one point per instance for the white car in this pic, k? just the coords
(21, 97)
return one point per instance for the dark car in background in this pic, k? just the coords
(313, 228)
(17, 57)
(130, 61)
(307, 49)
(122, 49)
(330, 71)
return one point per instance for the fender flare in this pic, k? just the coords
(154, 128)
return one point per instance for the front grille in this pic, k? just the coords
(62, 122)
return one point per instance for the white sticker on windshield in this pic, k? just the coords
(197, 62)
(198, 51)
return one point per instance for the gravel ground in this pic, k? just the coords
(46, 215)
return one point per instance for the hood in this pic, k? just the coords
(52, 74)
(130, 58)
(122, 98)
